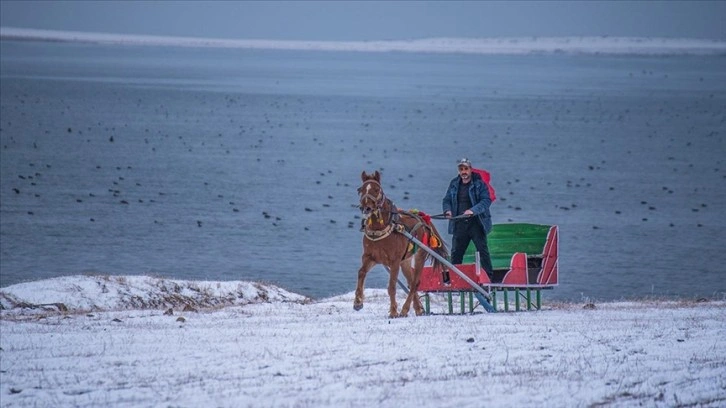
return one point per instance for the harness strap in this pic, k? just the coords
(416, 227)
(377, 235)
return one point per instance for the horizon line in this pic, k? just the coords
(608, 45)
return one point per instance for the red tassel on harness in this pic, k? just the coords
(425, 217)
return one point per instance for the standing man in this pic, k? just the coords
(468, 196)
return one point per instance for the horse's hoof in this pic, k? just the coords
(357, 306)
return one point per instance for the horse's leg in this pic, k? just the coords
(392, 280)
(416, 281)
(413, 283)
(366, 264)
(408, 273)
(407, 270)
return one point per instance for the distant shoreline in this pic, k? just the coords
(481, 46)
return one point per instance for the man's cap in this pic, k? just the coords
(463, 162)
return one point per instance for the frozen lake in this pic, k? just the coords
(228, 164)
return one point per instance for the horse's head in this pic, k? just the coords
(371, 193)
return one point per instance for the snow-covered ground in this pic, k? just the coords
(110, 341)
(487, 46)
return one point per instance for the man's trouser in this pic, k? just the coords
(465, 231)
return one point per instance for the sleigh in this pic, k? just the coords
(525, 262)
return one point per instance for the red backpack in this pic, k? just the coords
(487, 180)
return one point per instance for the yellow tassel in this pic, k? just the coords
(370, 221)
(380, 221)
(434, 242)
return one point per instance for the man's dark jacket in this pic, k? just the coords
(480, 200)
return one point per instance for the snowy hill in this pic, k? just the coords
(85, 293)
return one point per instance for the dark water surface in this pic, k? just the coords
(210, 164)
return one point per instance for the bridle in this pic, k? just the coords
(375, 234)
(366, 195)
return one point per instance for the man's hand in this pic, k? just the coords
(448, 214)
(468, 213)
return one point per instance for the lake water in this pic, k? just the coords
(214, 164)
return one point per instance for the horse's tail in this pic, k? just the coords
(440, 249)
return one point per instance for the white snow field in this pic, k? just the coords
(112, 341)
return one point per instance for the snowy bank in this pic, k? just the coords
(510, 45)
(280, 349)
(86, 293)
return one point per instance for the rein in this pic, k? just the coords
(442, 216)
(391, 225)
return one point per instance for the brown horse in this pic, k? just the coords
(382, 244)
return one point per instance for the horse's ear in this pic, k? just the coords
(377, 176)
(363, 176)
